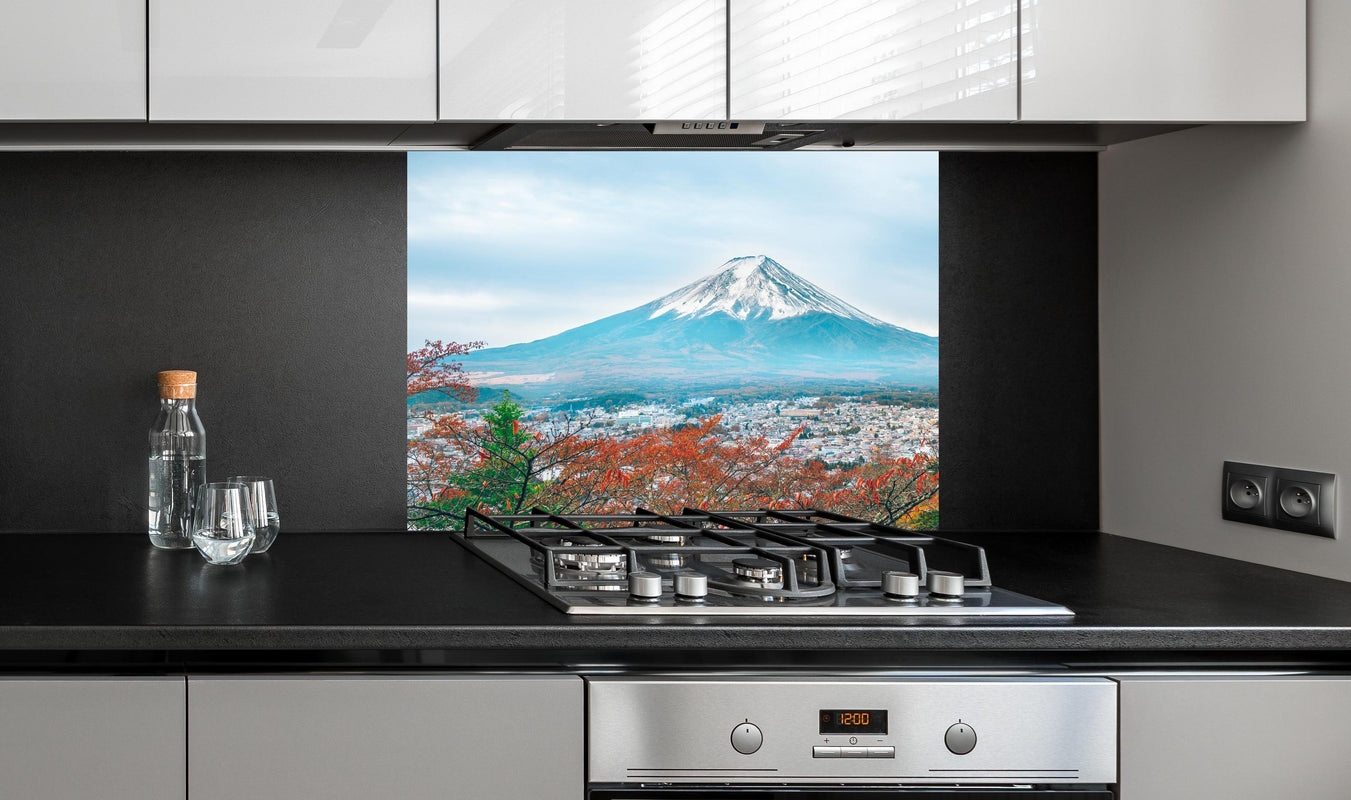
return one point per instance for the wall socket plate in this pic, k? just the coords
(1274, 497)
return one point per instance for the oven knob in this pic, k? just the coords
(960, 738)
(644, 585)
(946, 584)
(900, 584)
(746, 738)
(691, 585)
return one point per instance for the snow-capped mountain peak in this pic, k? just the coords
(755, 287)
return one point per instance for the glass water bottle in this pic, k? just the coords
(177, 460)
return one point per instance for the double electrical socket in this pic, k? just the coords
(1289, 499)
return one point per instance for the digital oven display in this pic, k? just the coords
(846, 721)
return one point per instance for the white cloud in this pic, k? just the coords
(503, 205)
(461, 301)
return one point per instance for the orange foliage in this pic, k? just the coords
(664, 470)
(430, 370)
(667, 470)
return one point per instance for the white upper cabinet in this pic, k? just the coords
(293, 60)
(72, 60)
(874, 59)
(601, 60)
(1163, 60)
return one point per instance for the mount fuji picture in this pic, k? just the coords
(594, 332)
(750, 322)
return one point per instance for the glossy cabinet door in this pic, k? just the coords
(598, 60)
(874, 60)
(293, 60)
(1163, 60)
(110, 738)
(72, 60)
(362, 737)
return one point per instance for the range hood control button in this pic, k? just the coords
(746, 738)
(960, 738)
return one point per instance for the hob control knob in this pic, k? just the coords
(644, 585)
(900, 584)
(960, 738)
(946, 584)
(691, 585)
(746, 738)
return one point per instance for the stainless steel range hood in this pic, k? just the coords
(749, 136)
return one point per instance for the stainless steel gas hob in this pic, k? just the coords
(800, 562)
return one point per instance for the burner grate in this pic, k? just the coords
(818, 552)
(627, 534)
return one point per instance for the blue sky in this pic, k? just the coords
(507, 247)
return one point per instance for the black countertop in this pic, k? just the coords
(385, 594)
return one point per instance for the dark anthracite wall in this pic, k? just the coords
(279, 277)
(1018, 317)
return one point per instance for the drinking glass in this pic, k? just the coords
(266, 519)
(222, 522)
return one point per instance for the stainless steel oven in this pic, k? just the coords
(938, 738)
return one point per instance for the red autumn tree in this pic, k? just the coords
(431, 369)
(506, 463)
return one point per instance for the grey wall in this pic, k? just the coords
(279, 277)
(1226, 317)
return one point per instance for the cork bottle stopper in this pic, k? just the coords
(178, 384)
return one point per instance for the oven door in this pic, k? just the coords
(931, 737)
(854, 793)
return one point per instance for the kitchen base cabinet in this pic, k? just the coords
(280, 738)
(1237, 739)
(110, 738)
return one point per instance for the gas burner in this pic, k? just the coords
(667, 538)
(760, 571)
(591, 562)
(670, 561)
(596, 566)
